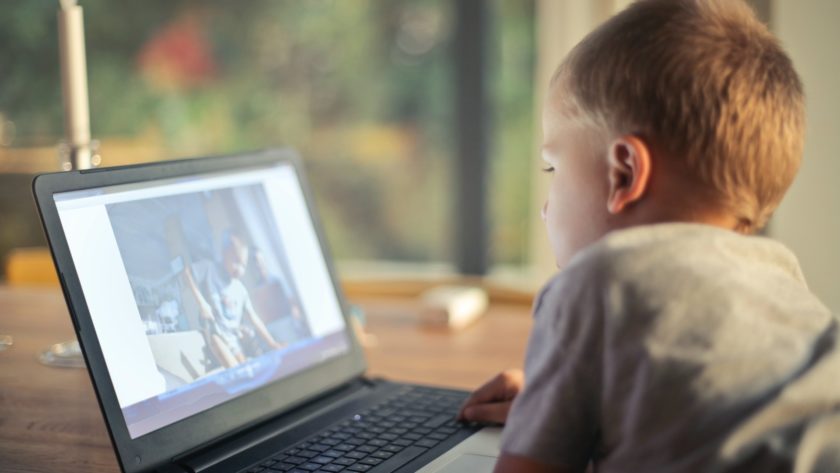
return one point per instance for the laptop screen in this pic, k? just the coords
(202, 289)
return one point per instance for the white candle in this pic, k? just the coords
(71, 43)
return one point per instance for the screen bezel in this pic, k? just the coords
(157, 448)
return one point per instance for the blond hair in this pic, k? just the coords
(708, 84)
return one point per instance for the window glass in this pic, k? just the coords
(513, 53)
(362, 89)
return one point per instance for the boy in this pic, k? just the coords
(224, 302)
(671, 341)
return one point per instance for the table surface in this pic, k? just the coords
(50, 420)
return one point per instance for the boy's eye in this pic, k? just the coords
(548, 169)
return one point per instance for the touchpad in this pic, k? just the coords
(470, 462)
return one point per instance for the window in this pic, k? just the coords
(364, 90)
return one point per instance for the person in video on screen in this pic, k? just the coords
(672, 339)
(224, 303)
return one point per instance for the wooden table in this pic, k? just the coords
(50, 420)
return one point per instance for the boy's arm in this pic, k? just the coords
(204, 308)
(509, 463)
(555, 419)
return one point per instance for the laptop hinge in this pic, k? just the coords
(172, 468)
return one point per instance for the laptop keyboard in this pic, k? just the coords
(379, 439)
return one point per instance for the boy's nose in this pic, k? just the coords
(542, 211)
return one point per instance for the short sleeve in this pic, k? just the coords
(555, 419)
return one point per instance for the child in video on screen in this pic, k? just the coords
(224, 302)
(671, 340)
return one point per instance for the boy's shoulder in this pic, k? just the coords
(683, 247)
(673, 263)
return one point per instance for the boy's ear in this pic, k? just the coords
(628, 167)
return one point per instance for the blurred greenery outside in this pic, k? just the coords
(362, 88)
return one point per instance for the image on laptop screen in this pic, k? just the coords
(201, 289)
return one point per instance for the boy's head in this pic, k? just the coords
(234, 254)
(672, 110)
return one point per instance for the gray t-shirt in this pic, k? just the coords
(680, 348)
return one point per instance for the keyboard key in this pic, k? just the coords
(438, 421)
(428, 443)
(360, 467)
(332, 468)
(382, 454)
(399, 459)
(282, 467)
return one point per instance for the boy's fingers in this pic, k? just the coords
(485, 393)
(495, 412)
(503, 386)
(500, 390)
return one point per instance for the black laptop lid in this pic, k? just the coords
(202, 294)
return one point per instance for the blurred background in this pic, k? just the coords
(364, 89)
(371, 94)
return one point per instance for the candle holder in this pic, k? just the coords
(77, 150)
(69, 157)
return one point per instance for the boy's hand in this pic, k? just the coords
(491, 402)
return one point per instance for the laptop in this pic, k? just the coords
(215, 333)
